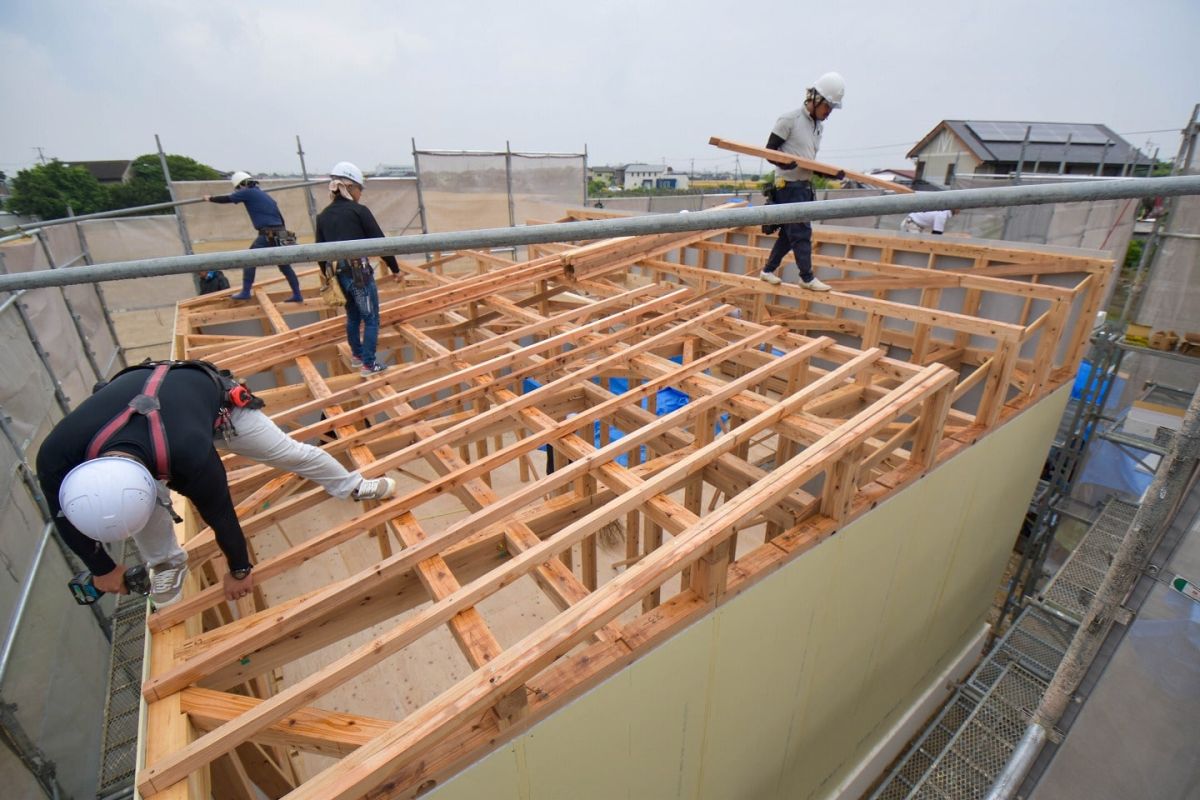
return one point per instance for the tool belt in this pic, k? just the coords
(359, 269)
(278, 236)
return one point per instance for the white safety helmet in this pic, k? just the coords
(344, 169)
(832, 87)
(108, 498)
(238, 178)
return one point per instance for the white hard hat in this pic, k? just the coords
(832, 87)
(108, 498)
(238, 178)
(344, 169)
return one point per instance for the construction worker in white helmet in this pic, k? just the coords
(798, 133)
(267, 219)
(346, 219)
(105, 469)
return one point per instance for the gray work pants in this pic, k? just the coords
(261, 440)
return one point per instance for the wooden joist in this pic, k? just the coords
(781, 439)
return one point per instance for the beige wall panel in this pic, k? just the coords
(782, 691)
(764, 658)
(652, 747)
(499, 776)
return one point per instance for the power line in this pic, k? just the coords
(1160, 130)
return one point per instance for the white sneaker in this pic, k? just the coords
(355, 362)
(375, 489)
(367, 370)
(769, 277)
(816, 285)
(166, 584)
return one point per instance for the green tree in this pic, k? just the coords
(146, 184)
(45, 191)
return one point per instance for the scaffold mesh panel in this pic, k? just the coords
(118, 755)
(961, 752)
(1074, 586)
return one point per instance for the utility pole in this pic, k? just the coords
(41, 155)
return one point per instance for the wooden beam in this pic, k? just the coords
(808, 164)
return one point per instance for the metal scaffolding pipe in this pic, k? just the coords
(18, 612)
(29, 228)
(608, 228)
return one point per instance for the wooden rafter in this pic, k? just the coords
(802, 412)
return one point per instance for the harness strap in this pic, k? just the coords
(148, 406)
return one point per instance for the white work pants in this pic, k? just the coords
(261, 440)
(908, 226)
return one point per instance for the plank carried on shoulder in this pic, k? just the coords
(815, 166)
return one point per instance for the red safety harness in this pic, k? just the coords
(233, 395)
(148, 406)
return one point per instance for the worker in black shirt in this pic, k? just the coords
(345, 219)
(267, 219)
(95, 467)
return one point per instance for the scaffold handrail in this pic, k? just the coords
(610, 228)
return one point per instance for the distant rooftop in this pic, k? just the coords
(1001, 141)
(103, 171)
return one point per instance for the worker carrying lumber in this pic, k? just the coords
(346, 219)
(799, 133)
(105, 469)
(267, 219)
(927, 221)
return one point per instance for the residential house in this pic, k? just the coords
(984, 147)
(394, 171)
(653, 176)
(606, 175)
(105, 171)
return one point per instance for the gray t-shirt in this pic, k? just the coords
(801, 136)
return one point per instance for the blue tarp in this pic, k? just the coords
(666, 400)
(1109, 465)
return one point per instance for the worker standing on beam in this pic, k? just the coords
(799, 133)
(267, 219)
(95, 469)
(346, 219)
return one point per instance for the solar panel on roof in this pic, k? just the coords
(1085, 134)
(1043, 132)
(998, 131)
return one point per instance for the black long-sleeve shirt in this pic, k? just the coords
(345, 220)
(190, 403)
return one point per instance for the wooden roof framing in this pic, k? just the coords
(802, 412)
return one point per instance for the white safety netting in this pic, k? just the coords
(469, 191)
(55, 676)
(393, 201)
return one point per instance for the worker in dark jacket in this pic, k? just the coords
(268, 221)
(95, 467)
(345, 219)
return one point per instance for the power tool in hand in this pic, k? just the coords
(137, 581)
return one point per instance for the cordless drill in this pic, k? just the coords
(137, 581)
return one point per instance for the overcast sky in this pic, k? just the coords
(231, 82)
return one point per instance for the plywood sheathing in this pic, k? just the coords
(489, 563)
